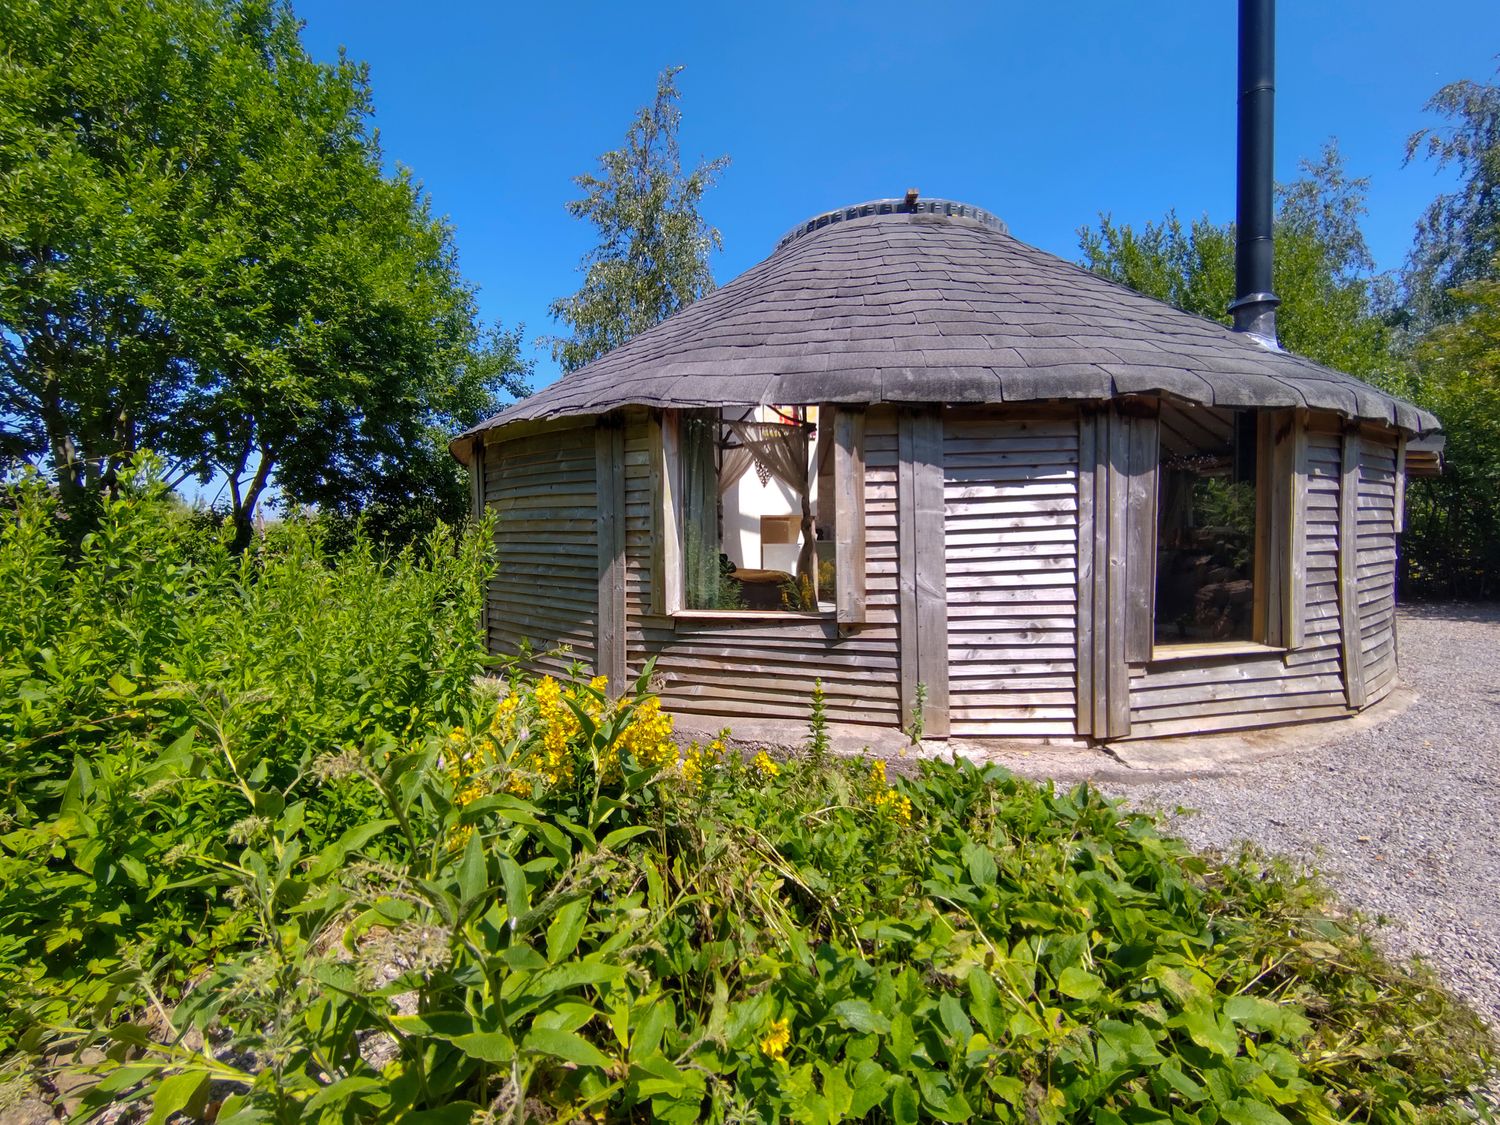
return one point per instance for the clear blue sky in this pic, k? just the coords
(1046, 114)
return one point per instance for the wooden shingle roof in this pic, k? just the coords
(937, 303)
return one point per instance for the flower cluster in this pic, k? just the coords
(763, 763)
(886, 798)
(697, 760)
(647, 739)
(777, 1039)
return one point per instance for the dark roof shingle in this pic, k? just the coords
(885, 305)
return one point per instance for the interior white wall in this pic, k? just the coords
(745, 502)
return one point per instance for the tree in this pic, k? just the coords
(200, 253)
(1453, 521)
(652, 255)
(1333, 309)
(1458, 237)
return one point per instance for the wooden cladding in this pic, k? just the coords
(848, 513)
(1004, 559)
(923, 591)
(1010, 491)
(545, 591)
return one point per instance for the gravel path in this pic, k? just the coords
(1403, 819)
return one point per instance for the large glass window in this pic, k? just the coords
(748, 497)
(1206, 526)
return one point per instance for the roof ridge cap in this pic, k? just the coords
(941, 208)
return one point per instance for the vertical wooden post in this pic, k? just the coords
(609, 475)
(849, 514)
(1117, 581)
(666, 523)
(1143, 455)
(1399, 522)
(1083, 689)
(1349, 633)
(923, 579)
(479, 484)
(1293, 466)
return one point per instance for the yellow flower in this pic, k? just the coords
(763, 763)
(776, 1040)
(877, 770)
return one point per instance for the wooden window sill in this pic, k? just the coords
(1163, 654)
(754, 614)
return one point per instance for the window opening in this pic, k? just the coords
(748, 497)
(1206, 526)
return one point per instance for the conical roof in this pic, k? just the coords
(937, 303)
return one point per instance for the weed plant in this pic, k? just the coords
(271, 853)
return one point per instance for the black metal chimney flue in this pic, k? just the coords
(1254, 305)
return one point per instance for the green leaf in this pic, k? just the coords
(951, 1012)
(1260, 1014)
(1209, 1030)
(905, 1105)
(857, 1015)
(1244, 1111)
(567, 1046)
(1079, 983)
(566, 929)
(488, 1046)
(517, 896)
(473, 873)
(181, 1093)
(981, 864)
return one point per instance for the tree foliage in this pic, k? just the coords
(654, 244)
(201, 253)
(1453, 521)
(1458, 237)
(1331, 303)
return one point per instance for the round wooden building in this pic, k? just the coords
(934, 467)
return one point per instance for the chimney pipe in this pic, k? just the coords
(1254, 305)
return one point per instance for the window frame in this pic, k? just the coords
(1277, 583)
(843, 429)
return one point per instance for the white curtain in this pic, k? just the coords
(781, 450)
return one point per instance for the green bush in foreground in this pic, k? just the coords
(371, 903)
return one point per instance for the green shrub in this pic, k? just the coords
(127, 664)
(766, 941)
(269, 848)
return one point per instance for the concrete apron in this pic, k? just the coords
(1063, 760)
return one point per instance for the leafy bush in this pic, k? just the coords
(131, 668)
(315, 878)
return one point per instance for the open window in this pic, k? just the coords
(748, 488)
(1210, 504)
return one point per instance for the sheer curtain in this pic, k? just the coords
(699, 437)
(782, 451)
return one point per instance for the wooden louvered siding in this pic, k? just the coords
(764, 668)
(545, 589)
(1377, 565)
(1011, 557)
(1248, 689)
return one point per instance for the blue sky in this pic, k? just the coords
(1046, 114)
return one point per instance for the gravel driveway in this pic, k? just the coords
(1403, 818)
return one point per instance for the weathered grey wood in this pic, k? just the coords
(849, 515)
(1398, 520)
(1140, 548)
(1295, 472)
(1098, 624)
(609, 457)
(1117, 599)
(666, 529)
(1083, 631)
(931, 568)
(910, 671)
(1352, 648)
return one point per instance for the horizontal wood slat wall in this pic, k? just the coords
(1010, 493)
(764, 669)
(1376, 563)
(1212, 693)
(545, 591)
